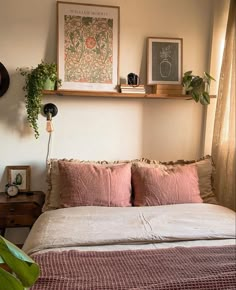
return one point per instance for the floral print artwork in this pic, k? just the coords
(88, 52)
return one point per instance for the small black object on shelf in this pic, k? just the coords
(133, 79)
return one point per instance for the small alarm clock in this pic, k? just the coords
(11, 190)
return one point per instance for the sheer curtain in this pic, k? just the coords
(223, 145)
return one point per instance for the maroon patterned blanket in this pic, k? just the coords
(165, 269)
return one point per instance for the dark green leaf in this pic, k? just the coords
(189, 89)
(205, 99)
(188, 73)
(197, 81)
(209, 76)
(195, 96)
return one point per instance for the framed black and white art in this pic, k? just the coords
(164, 60)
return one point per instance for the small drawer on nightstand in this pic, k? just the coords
(18, 221)
(19, 209)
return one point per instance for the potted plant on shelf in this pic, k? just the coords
(43, 77)
(197, 87)
(17, 270)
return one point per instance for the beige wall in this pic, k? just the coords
(99, 128)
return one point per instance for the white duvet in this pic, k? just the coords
(116, 228)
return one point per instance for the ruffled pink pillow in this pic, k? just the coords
(157, 186)
(84, 184)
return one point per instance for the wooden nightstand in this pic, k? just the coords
(21, 210)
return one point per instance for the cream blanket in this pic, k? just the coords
(111, 228)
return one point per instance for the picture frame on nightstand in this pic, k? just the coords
(20, 176)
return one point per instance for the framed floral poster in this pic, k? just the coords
(164, 60)
(88, 46)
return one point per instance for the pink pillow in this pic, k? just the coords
(95, 185)
(156, 186)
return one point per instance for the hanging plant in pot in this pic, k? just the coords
(197, 87)
(43, 77)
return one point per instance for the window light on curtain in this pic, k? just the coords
(223, 145)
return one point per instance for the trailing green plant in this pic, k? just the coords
(35, 79)
(17, 270)
(197, 87)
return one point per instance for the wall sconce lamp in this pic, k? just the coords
(50, 110)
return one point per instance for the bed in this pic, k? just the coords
(86, 239)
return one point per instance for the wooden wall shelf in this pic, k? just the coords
(116, 95)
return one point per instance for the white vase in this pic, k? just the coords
(165, 68)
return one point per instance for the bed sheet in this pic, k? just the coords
(92, 228)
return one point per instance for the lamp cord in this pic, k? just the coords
(49, 147)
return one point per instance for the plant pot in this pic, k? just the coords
(49, 85)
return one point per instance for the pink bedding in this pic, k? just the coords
(173, 268)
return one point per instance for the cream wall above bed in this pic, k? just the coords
(99, 128)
